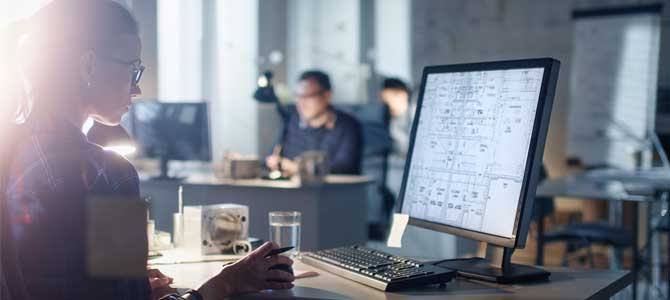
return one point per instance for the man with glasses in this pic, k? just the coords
(317, 126)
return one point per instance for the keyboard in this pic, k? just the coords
(377, 269)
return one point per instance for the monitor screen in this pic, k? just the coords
(471, 146)
(174, 131)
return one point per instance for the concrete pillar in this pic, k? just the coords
(231, 79)
(146, 12)
(393, 38)
(325, 35)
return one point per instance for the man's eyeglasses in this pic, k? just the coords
(308, 96)
(136, 67)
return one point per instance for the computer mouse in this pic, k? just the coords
(282, 267)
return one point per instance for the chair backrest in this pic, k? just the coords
(374, 119)
(377, 146)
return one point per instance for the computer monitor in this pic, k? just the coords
(170, 131)
(475, 155)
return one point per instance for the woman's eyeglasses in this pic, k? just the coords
(136, 67)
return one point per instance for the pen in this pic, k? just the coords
(279, 251)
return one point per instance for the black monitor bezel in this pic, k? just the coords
(205, 129)
(533, 161)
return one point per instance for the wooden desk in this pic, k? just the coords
(564, 284)
(329, 209)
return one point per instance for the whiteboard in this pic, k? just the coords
(613, 84)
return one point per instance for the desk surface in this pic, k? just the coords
(563, 284)
(585, 187)
(211, 179)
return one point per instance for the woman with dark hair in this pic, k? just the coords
(80, 59)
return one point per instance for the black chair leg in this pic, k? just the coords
(590, 254)
(569, 248)
(618, 258)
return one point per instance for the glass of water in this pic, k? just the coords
(285, 230)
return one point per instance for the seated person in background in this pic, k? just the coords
(396, 96)
(317, 126)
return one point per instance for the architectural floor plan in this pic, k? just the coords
(471, 147)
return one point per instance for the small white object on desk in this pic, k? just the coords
(215, 229)
(397, 230)
(178, 219)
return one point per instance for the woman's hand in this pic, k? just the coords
(249, 274)
(160, 284)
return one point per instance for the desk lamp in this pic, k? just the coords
(265, 93)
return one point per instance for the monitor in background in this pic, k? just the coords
(475, 156)
(170, 131)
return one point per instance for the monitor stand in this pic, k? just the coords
(496, 267)
(164, 171)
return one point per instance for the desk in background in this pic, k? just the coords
(334, 213)
(614, 186)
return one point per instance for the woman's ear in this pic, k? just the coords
(86, 67)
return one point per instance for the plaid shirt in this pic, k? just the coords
(53, 172)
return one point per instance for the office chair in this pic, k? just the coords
(377, 146)
(577, 235)
(662, 226)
